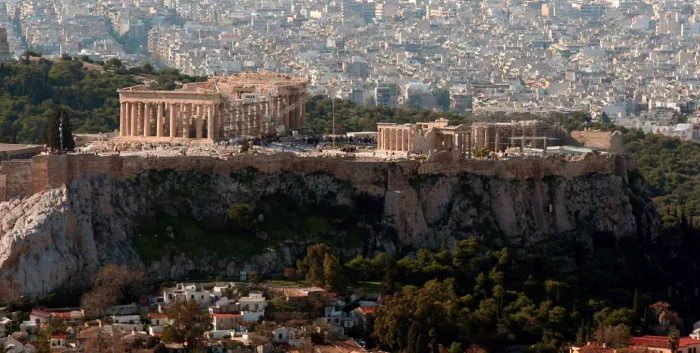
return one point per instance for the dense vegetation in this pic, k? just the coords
(672, 169)
(30, 88)
(552, 293)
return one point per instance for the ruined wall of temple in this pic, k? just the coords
(26, 177)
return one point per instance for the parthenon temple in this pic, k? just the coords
(246, 104)
(440, 136)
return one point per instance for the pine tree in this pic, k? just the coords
(333, 275)
(387, 285)
(455, 347)
(59, 119)
(413, 333)
(581, 335)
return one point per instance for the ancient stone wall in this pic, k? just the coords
(16, 179)
(26, 177)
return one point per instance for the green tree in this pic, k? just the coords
(59, 132)
(387, 284)
(312, 264)
(613, 336)
(334, 277)
(241, 215)
(481, 152)
(442, 99)
(53, 326)
(188, 324)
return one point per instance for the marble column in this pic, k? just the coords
(185, 116)
(173, 119)
(159, 121)
(237, 121)
(391, 138)
(487, 137)
(404, 140)
(200, 122)
(388, 139)
(220, 121)
(469, 144)
(147, 113)
(302, 110)
(254, 119)
(133, 118)
(211, 123)
(497, 142)
(121, 119)
(299, 119)
(250, 119)
(127, 122)
(288, 115)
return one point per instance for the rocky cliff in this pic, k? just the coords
(174, 223)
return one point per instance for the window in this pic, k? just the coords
(192, 296)
(280, 336)
(202, 296)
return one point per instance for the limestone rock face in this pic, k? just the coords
(58, 239)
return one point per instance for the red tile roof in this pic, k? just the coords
(62, 315)
(40, 313)
(223, 315)
(157, 316)
(595, 348)
(661, 341)
(368, 309)
(59, 335)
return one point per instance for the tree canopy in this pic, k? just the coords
(29, 89)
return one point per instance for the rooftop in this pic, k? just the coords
(661, 341)
(5, 147)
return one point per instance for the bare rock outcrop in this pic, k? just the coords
(57, 239)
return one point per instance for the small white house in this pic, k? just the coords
(158, 319)
(253, 302)
(3, 325)
(185, 292)
(292, 336)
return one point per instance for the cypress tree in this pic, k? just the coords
(59, 118)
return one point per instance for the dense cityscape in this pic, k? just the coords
(622, 58)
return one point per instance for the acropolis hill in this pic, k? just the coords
(21, 178)
(74, 213)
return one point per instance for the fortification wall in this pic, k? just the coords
(16, 179)
(26, 177)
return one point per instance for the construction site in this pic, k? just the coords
(251, 104)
